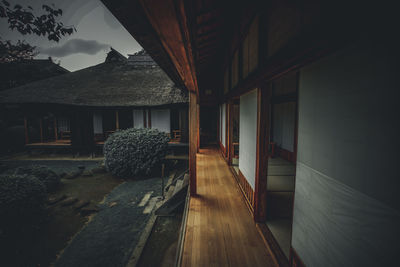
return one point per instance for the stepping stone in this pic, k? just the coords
(81, 167)
(178, 186)
(89, 210)
(170, 192)
(68, 201)
(99, 169)
(87, 173)
(112, 204)
(145, 199)
(80, 204)
(73, 175)
(152, 203)
(56, 199)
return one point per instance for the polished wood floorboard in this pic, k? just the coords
(220, 230)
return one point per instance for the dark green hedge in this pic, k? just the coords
(22, 200)
(49, 178)
(134, 151)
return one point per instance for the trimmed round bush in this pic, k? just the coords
(22, 200)
(49, 178)
(134, 151)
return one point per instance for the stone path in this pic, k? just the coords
(110, 237)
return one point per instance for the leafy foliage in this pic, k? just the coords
(134, 151)
(22, 200)
(25, 22)
(49, 178)
(11, 52)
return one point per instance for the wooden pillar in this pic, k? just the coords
(198, 128)
(263, 124)
(116, 120)
(55, 129)
(229, 129)
(226, 130)
(26, 130)
(193, 126)
(144, 118)
(149, 117)
(41, 130)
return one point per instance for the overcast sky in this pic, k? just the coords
(96, 31)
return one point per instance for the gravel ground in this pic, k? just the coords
(58, 166)
(110, 237)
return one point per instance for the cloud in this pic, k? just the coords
(75, 46)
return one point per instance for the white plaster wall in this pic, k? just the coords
(247, 136)
(138, 118)
(346, 210)
(97, 122)
(223, 125)
(161, 120)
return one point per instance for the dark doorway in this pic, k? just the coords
(125, 119)
(282, 164)
(109, 122)
(208, 125)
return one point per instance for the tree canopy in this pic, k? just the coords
(23, 20)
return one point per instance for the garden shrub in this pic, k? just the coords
(49, 178)
(134, 151)
(22, 200)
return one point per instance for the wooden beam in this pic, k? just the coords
(169, 20)
(301, 51)
(193, 141)
(260, 190)
(26, 130)
(116, 120)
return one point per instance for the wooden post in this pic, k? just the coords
(26, 130)
(192, 141)
(229, 141)
(149, 116)
(116, 120)
(55, 129)
(41, 130)
(198, 128)
(144, 118)
(263, 124)
(226, 130)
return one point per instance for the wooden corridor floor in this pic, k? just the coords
(220, 230)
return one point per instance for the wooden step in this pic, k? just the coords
(170, 192)
(178, 186)
(274, 170)
(150, 206)
(146, 198)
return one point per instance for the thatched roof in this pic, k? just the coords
(18, 73)
(110, 84)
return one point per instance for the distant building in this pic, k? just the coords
(18, 73)
(81, 109)
(141, 59)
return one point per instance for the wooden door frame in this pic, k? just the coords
(262, 154)
(229, 140)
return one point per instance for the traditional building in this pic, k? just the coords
(82, 108)
(304, 94)
(17, 73)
